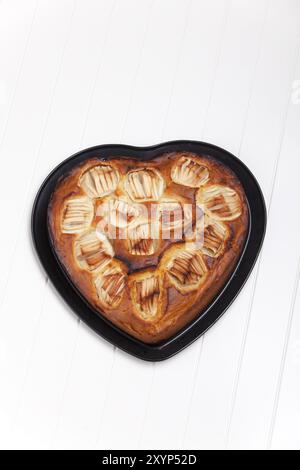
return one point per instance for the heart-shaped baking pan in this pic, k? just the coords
(206, 278)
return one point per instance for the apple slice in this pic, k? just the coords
(189, 172)
(77, 215)
(99, 181)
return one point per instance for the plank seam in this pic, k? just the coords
(284, 356)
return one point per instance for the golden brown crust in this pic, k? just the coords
(143, 278)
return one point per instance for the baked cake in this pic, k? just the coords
(149, 244)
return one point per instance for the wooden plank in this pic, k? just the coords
(56, 95)
(260, 374)
(16, 21)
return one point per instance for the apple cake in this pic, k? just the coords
(149, 243)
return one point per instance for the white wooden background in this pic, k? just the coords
(80, 73)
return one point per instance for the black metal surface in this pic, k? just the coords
(64, 285)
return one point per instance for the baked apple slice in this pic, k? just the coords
(189, 172)
(184, 266)
(99, 181)
(146, 293)
(110, 284)
(141, 240)
(77, 215)
(144, 184)
(93, 250)
(220, 202)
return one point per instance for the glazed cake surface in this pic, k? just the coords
(149, 243)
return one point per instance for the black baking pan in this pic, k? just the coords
(64, 285)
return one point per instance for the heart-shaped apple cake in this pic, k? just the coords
(149, 243)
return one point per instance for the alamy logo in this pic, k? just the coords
(168, 220)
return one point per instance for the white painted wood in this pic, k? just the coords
(83, 72)
(263, 118)
(260, 374)
(16, 22)
(65, 117)
(22, 301)
(285, 432)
